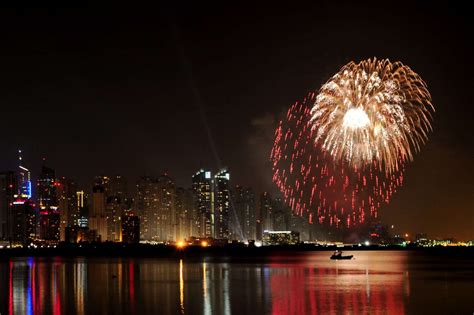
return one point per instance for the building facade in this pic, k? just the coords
(156, 206)
(49, 224)
(130, 224)
(165, 221)
(185, 214)
(280, 238)
(264, 215)
(244, 222)
(204, 202)
(97, 214)
(24, 179)
(117, 202)
(8, 190)
(68, 211)
(222, 204)
(23, 222)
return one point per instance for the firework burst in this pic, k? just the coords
(313, 185)
(339, 155)
(373, 110)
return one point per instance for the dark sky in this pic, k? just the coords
(137, 91)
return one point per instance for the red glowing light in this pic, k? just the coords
(313, 184)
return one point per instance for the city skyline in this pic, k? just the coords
(171, 93)
(209, 207)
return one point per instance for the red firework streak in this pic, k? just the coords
(314, 185)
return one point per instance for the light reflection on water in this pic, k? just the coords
(306, 283)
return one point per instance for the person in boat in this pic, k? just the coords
(337, 254)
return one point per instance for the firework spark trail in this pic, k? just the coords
(372, 110)
(339, 155)
(313, 185)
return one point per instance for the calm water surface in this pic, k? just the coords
(307, 283)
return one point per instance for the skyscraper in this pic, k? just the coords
(23, 222)
(97, 214)
(155, 202)
(82, 209)
(117, 187)
(222, 204)
(147, 206)
(68, 210)
(17, 213)
(244, 222)
(203, 194)
(116, 204)
(166, 218)
(24, 179)
(130, 228)
(264, 212)
(48, 205)
(185, 214)
(114, 209)
(8, 190)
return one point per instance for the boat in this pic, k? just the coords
(338, 256)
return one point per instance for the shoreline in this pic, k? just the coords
(231, 251)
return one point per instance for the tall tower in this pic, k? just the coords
(156, 205)
(203, 194)
(166, 220)
(68, 210)
(24, 179)
(23, 222)
(147, 206)
(244, 223)
(185, 214)
(48, 205)
(130, 228)
(8, 190)
(116, 204)
(117, 187)
(264, 213)
(222, 203)
(82, 209)
(97, 214)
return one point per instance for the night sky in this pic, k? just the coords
(136, 91)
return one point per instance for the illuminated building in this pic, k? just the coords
(117, 187)
(68, 210)
(83, 222)
(204, 200)
(280, 237)
(221, 204)
(8, 189)
(185, 214)
(48, 205)
(97, 215)
(81, 205)
(130, 228)
(243, 223)
(155, 203)
(166, 219)
(23, 222)
(113, 209)
(80, 199)
(24, 179)
(147, 206)
(116, 203)
(264, 212)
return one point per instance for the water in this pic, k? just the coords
(394, 282)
